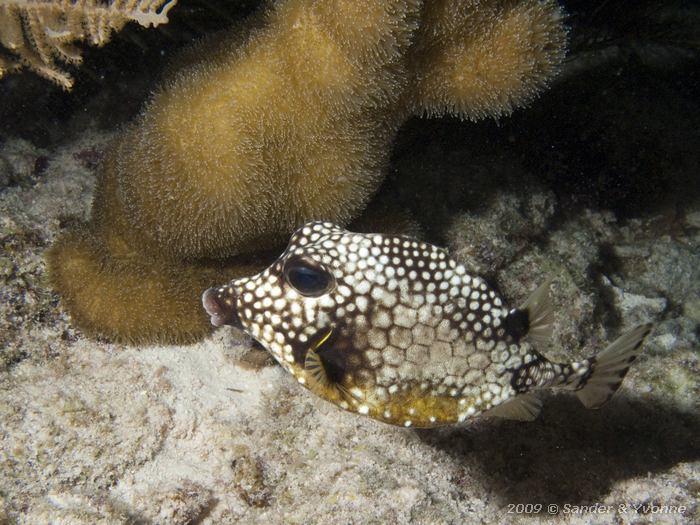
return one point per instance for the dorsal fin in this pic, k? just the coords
(539, 314)
(524, 407)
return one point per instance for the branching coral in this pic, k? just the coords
(290, 120)
(38, 32)
(484, 58)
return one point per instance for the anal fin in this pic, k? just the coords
(524, 407)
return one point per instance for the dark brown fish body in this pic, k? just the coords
(393, 328)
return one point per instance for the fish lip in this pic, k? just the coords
(220, 312)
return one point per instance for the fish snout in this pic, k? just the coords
(221, 307)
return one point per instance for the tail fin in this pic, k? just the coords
(610, 366)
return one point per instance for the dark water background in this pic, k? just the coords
(619, 128)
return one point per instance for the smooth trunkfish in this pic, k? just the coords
(395, 329)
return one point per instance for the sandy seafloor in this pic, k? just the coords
(97, 432)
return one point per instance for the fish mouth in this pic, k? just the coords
(221, 309)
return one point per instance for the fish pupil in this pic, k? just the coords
(306, 279)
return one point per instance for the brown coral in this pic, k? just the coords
(484, 58)
(289, 121)
(133, 299)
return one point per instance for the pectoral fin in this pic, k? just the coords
(320, 371)
(316, 369)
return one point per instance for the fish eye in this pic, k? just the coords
(307, 277)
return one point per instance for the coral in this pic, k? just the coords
(145, 299)
(288, 120)
(38, 32)
(484, 58)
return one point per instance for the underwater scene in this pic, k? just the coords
(349, 261)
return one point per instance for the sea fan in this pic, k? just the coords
(39, 33)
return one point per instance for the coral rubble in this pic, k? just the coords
(289, 119)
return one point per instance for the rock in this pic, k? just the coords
(635, 308)
(486, 240)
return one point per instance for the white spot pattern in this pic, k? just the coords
(402, 317)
